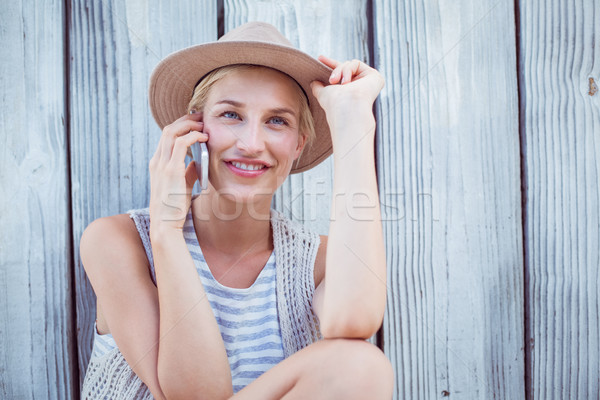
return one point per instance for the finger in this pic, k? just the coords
(335, 65)
(316, 88)
(330, 62)
(181, 126)
(157, 153)
(349, 70)
(344, 72)
(182, 143)
(178, 128)
(194, 115)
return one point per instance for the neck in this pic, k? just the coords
(231, 227)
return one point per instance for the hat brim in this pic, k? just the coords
(174, 78)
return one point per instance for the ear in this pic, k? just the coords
(300, 147)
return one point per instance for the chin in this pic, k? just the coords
(250, 190)
(246, 194)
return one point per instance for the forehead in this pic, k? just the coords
(257, 85)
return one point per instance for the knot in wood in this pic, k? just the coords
(593, 87)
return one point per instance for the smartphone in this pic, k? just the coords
(200, 156)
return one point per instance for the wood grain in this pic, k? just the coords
(37, 352)
(449, 174)
(449, 169)
(559, 65)
(114, 47)
(315, 27)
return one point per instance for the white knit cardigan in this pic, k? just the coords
(110, 377)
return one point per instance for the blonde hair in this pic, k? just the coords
(306, 124)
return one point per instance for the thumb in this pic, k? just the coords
(316, 88)
(190, 175)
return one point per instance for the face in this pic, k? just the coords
(252, 118)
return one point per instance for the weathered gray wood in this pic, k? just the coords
(448, 163)
(447, 159)
(315, 27)
(560, 70)
(37, 352)
(114, 47)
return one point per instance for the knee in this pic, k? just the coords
(363, 371)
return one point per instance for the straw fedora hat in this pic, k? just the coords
(173, 80)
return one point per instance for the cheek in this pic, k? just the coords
(290, 143)
(287, 150)
(218, 136)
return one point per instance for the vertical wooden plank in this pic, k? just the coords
(37, 352)
(315, 27)
(449, 173)
(114, 47)
(560, 70)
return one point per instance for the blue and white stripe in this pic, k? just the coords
(247, 317)
(103, 344)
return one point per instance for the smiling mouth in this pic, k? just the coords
(247, 167)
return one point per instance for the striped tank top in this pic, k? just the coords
(247, 318)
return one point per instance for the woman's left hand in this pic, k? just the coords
(353, 87)
(347, 289)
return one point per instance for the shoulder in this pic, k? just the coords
(110, 242)
(115, 261)
(114, 232)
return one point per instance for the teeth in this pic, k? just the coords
(247, 167)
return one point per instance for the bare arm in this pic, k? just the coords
(350, 300)
(191, 357)
(168, 335)
(116, 264)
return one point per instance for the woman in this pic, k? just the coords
(278, 311)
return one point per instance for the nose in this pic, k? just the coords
(251, 140)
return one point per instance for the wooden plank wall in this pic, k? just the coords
(114, 48)
(486, 104)
(448, 159)
(37, 353)
(306, 197)
(560, 111)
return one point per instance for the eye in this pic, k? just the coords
(278, 121)
(230, 115)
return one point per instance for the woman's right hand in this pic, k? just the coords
(171, 182)
(184, 365)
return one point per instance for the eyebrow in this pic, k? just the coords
(232, 102)
(277, 110)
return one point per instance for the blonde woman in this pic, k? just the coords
(216, 295)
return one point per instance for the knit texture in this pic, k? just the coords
(295, 253)
(110, 377)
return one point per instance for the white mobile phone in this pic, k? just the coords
(200, 156)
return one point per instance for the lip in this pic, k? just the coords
(246, 173)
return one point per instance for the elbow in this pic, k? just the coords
(355, 323)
